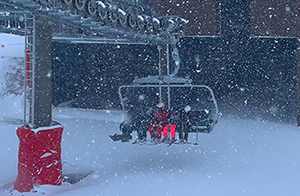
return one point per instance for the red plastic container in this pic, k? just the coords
(39, 157)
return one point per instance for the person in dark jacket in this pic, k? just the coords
(139, 120)
(145, 122)
(186, 118)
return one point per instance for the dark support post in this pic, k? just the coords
(44, 138)
(43, 73)
(163, 59)
(298, 83)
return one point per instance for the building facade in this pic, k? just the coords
(275, 18)
(267, 17)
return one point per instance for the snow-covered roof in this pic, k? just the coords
(162, 80)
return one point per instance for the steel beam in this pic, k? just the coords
(92, 26)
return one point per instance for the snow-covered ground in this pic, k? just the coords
(11, 46)
(240, 157)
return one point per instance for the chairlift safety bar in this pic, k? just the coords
(169, 86)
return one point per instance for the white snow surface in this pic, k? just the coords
(240, 157)
(11, 46)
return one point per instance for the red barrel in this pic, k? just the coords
(39, 157)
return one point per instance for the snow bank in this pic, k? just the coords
(240, 157)
(11, 108)
(12, 45)
(11, 105)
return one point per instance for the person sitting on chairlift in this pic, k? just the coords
(171, 127)
(160, 120)
(186, 117)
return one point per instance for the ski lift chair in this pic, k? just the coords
(178, 93)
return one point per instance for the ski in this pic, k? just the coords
(182, 143)
(172, 142)
(149, 143)
(152, 143)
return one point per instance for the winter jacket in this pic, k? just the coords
(160, 115)
(187, 118)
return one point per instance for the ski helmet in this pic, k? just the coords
(187, 108)
(160, 105)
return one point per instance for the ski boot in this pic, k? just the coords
(122, 137)
(165, 140)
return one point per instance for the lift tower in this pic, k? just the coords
(70, 21)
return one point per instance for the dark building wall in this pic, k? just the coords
(258, 77)
(235, 19)
(268, 17)
(89, 75)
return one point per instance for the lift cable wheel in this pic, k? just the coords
(117, 20)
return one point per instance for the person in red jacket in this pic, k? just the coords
(160, 120)
(173, 120)
(161, 114)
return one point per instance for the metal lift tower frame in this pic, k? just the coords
(79, 21)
